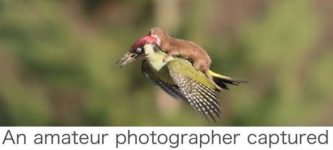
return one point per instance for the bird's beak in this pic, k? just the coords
(127, 58)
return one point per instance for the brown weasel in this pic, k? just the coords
(186, 49)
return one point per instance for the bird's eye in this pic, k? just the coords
(138, 50)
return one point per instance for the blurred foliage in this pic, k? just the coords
(57, 61)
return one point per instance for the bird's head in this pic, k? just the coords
(140, 49)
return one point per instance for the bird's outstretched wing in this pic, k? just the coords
(171, 89)
(201, 97)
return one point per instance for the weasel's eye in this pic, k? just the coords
(138, 50)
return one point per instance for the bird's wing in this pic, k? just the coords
(171, 89)
(202, 98)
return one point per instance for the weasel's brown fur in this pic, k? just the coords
(186, 49)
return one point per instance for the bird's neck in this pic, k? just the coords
(156, 60)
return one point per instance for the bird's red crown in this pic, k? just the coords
(142, 41)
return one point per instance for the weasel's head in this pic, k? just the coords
(159, 34)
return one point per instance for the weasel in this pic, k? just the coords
(183, 48)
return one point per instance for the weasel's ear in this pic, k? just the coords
(155, 30)
(151, 31)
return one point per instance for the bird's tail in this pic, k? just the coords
(222, 81)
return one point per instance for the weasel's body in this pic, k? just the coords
(186, 49)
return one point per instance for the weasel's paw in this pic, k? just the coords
(164, 59)
(167, 58)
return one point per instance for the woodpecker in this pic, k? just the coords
(178, 77)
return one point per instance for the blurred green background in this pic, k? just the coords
(57, 61)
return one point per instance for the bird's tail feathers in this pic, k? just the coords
(222, 81)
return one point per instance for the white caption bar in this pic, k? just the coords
(166, 138)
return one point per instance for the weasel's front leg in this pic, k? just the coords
(169, 55)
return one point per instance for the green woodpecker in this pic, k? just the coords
(178, 77)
